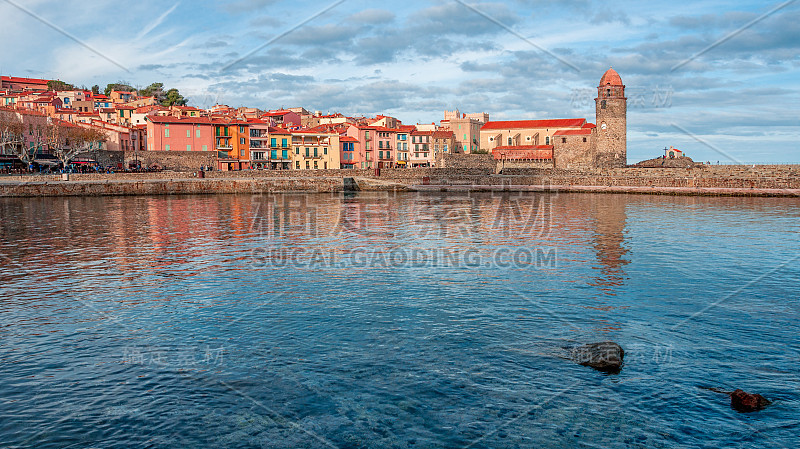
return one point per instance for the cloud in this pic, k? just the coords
(372, 16)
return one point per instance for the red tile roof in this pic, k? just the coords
(611, 78)
(573, 132)
(347, 139)
(524, 124)
(183, 120)
(14, 79)
(590, 125)
(444, 135)
(276, 130)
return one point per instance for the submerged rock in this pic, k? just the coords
(604, 356)
(744, 402)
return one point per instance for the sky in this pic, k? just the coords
(717, 79)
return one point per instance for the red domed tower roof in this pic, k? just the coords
(611, 78)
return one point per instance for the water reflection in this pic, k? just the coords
(131, 320)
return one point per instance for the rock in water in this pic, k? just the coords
(605, 356)
(744, 402)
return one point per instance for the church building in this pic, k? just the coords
(566, 143)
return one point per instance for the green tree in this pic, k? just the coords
(174, 97)
(95, 89)
(154, 90)
(58, 86)
(121, 86)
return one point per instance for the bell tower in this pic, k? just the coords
(611, 108)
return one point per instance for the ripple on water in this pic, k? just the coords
(159, 322)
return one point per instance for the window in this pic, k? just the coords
(307, 152)
(315, 152)
(197, 133)
(167, 147)
(241, 141)
(205, 147)
(166, 132)
(241, 129)
(325, 151)
(297, 165)
(380, 154)
(308, 165)
(285, 154)
(297, 151)
(273, 142)
(546, 140)
(284, 144)
(465, 137)
(326, 166)
(188, 148)
(509, 143)
(241, 153)
(563, 140)
(584, 139)
(315, 165)
(188, 133)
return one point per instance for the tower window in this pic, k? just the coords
(563, 140)
(608, 92)
(584, 139)
(509, 141)
(547, 140)
(603, 104)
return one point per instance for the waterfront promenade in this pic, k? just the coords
(773, 181)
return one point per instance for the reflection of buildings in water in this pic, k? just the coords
(609, 242)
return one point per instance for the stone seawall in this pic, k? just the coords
(178, 186)
(713, 180)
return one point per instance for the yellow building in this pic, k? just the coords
(315, 151)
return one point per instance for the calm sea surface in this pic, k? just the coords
(397, 321)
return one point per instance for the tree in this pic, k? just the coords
(59, 86)
(174, 97)
(66, 140)
(120, 86)
(95, 89)
(12, 135)
(154, 90)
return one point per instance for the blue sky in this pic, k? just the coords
(738, 100)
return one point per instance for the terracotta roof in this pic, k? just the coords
(444, 135)
(276, 130)
(523, 124)
(573, 132)
(185, 120)
(347, 139)
(590, 125)
(14, 79)
(611, 78)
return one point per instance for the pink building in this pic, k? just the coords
(420, 151)
(364, 136)
(350, 154)
(179, 134)
(284, 118)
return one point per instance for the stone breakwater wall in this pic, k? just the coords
(710, 180)
(186, 186)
